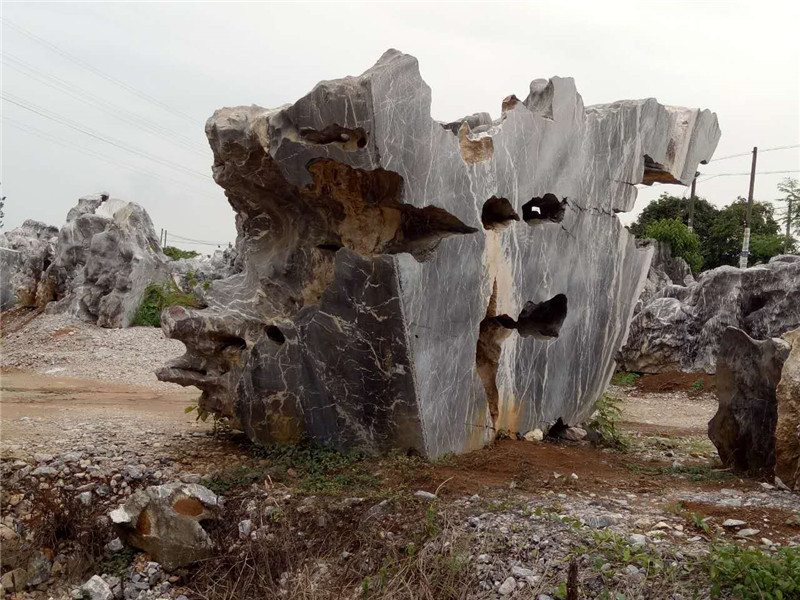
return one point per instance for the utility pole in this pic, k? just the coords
(746, 241)
(691, 204)
(161, 237)
(788, 224)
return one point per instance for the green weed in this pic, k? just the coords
(157, 297)
(697, 386)
(624, 378)
(751, 574)
(606, 417)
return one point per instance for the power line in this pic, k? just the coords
(188, 239)
(129, 88)
(710, 176)
(50, 137)
(85, 130)
(751, 153)
(126, 116)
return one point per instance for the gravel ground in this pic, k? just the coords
(64, 346)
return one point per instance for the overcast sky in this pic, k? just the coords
(175, 63)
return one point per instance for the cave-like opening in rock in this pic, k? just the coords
(540, 320)
(275, 334)
(348, 139)
(656, 173)
(546, 208)
(497, 213)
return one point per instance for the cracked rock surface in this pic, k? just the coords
(423, 285)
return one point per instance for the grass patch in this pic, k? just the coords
(157, 297)
(624, 378)
(176, 253)
(751, 574)
(697, 386)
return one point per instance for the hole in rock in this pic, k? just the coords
(557, 429)
(753, 304)
(656, 173)
(487, 353)
(540, 320)
(234, 343)
(330, 247)
(543, 320)
(275, 334)
(546, 208)
(371, 217)
(350, 139)
(497, 213)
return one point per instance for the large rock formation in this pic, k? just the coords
(416, 284)
(107, 254)
(743, 429)
(681, 327)
(787, 429)
(25, 254)
(664, 270)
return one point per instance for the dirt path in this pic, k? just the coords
(39, 408)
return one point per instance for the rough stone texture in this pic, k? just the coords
(787, 430)
(165, 521)
(743, 430)
(107, 254)
(680, 328)
(415, 284)
(664, 270)
(188, 273)
(25, 253)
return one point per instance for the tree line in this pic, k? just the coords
(718, 232)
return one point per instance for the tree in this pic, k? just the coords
(790, 188)
(683, 242)
(724, 242)
(675, 207)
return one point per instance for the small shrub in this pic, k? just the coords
(697, 386)
(684, 243)
(606, 417)
(176, 253)
(157, 297)
(751, 574)
(624, 379)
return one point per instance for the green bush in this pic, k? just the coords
(684, 243)
(157, 297)
(176, 253)
(750, 574)
(625, 379)
(606, 418)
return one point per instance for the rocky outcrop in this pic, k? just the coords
(664, 270)
(680, 328)
(189, 273)
(107, 254)
(166, 522)
(743, 429)
(25, 254)
(422, 285)
(787, 429)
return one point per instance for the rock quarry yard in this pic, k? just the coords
(651, 515)
(434, 365)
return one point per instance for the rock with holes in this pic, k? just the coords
(422, 285)
(748, 372)
(680, 328)
(166, 522)
(787, 428)
(107, 254)
(25, 254)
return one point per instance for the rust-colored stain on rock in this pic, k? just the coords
(188, 506)
(143, 523)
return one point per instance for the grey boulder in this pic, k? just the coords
(25, 254)
(166, 522)
(787, 428)
(107, 254)
(680, 328)
(748, 372)
(421, 285)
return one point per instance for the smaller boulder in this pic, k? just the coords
(787, 429)
(166, 522)
(97, 589)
